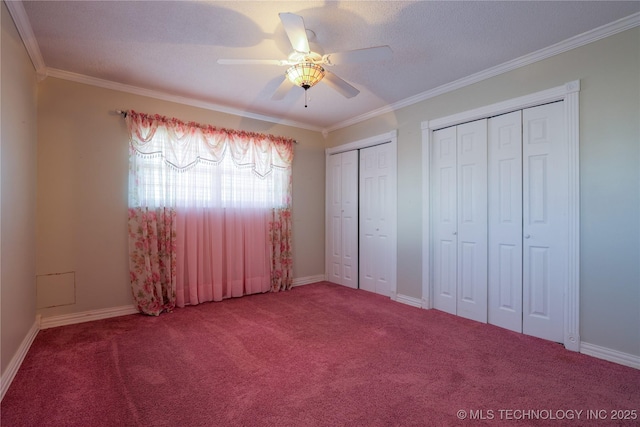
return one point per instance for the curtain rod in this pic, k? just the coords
(124, 113)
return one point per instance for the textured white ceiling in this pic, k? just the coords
(172, 47)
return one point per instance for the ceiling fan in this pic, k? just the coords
(306, 68)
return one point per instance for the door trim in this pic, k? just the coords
(364, 143)
(569, 93)
(392, 138)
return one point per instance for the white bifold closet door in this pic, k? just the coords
(505, 221)
(445, 219)
(545, 210)
(460, 220)
(376, 192)
(499, 212)
(528, 221)
(343, 218)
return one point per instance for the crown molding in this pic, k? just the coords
(19, 15)
(591, 36)
(108, 84)
(21, 20)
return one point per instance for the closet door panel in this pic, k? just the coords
(505, 221)
(349, 228)
(334, 171)
(342, 200)
(376, 179)
(472, 220)
(545, 212)
(444, 214)
(368, 209)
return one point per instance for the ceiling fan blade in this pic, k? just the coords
(340, 85)
(294, 26)
(282, 90)
(377, 53)
(250, 62)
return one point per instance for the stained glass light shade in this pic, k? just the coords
(305, 74)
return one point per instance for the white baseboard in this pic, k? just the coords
(404, 299)
(307, 280)
(12, 369)
(86, 316)
(614, 356)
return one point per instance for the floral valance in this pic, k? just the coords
(182, 145)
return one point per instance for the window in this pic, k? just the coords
(209, 213)
(189, 165)
(207, 184)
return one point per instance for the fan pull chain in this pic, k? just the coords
(305, 98)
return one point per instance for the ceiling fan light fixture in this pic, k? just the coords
(305, 74)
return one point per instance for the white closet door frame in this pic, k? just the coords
(569, 93)
(392, 138)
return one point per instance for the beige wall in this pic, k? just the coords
(609, 71)
(82, 188)
(17, 192)
(82, 183)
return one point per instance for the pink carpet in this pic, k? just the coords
(319, 355)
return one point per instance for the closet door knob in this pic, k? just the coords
(455, 232)
(526, 236)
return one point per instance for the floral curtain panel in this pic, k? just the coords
(280, 249)
(152, 258)
(209, 212)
